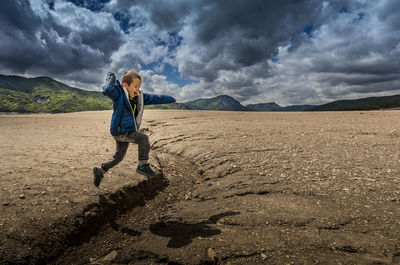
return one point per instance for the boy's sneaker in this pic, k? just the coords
(98, 176)
(146, 170)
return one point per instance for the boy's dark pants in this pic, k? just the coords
(122, 142)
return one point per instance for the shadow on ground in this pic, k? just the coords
(182, 234)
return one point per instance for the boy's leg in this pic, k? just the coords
(143, 148)
(117, 157)
(98, 172)
(142, 140)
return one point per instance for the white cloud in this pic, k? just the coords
(157, 84)
(254, 51)
(352, 56)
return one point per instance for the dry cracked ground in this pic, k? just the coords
(233, 188)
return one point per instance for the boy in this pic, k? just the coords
(128, 101)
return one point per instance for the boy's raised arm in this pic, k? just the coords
(109, 86)
(149, 99)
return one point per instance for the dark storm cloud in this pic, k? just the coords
(169, 14)
(19, 28)
(41, 41)
(16, 17)
(235, 34)
(165, 14)
(389, 13)
(253, 19)
(362, 80)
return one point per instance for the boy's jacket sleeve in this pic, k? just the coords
(109, 88)
(149, 99)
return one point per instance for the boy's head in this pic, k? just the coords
(132, 81)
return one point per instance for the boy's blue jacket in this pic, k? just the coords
(123, 119)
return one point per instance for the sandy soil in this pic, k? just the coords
(234, 188)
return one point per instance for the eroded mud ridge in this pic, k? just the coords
(243, 188)
(43, 245)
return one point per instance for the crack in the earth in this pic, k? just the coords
(165, 139)
(335, 226)
(244, 193)
(80, 227)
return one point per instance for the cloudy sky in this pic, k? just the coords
(290, 52)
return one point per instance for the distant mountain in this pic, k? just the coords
(370, 103)
(271, 106)
(296, 108)
(179, 106)
(222, 102)
(44, 94)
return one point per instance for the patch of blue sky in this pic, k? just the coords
(171, 72)
(124, 21)
(361, 15)
(160, 42)
(174, 41)
(308, 29)
(51, 4)
(177, 40)
(174, 76)
(152, 66)
(275, 60)
(93, 5)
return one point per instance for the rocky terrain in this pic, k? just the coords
(233, 188)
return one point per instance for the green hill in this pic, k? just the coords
(271, 106)
(370, 103)
(44, 94)
(222, 102)
(180, 106)
(296, 108)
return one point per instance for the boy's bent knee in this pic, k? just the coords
(138, 136)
